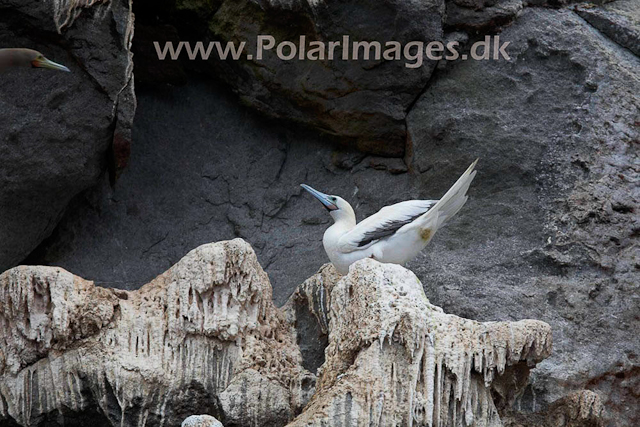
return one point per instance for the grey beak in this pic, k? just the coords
(324, 199)
(47, 63)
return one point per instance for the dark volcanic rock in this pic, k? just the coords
(204, 169)
(477, 17)
(620, 21)
(148, 70)
(364, 101)
(58, 129)
(551, 230)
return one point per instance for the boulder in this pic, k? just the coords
(201, 421)
(197, 333)
(551, 228)
(394, 359)
(362, 101)
(60, 131)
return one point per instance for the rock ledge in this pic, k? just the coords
(205, 337)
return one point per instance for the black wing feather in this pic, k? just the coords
(386, 229)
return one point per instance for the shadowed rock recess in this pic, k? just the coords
(60, 131)
(364, 102)
(205, 337)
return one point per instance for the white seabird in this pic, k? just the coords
(396, 234)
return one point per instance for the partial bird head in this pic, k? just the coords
(27, 58)
(337, 206)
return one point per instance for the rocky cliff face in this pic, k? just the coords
(557, 203)
(366, 104)
(550, 231)
(60, 131)
(206, 337)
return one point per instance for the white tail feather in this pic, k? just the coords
(450, 203)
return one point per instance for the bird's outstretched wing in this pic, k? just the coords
(384, 223)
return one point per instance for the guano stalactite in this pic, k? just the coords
(208, 327)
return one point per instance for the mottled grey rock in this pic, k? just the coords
(201, 421)
(551, 228)
(363, 101)
(477, 17)
(619, 20)
(206, 169)
(57, 129)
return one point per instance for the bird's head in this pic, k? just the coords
(27, 58)
(337, 206)
(38, 60)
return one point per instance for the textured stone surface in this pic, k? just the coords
(474, 16)
(218, 174)
(363, 101)
(188, 341)
(578, 409)
(57, 130)
(618, 20)
(395, 359)
(205, 335)
(201, 421)
(551, 231)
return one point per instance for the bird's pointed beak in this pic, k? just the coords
(46, 63)
(324, 199)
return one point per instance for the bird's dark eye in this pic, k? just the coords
(333, 199)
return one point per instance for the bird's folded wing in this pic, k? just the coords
(383, 224)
